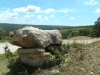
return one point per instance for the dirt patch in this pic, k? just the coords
(80, 38)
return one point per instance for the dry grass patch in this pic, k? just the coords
(76, 62)
(3, 64)
(81, 38)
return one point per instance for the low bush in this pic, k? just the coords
(55, 52)
(14, 63)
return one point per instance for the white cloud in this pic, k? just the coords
(51, 16)
(32, 8)
(39, 17)
(49, 10)
(21, 9)
(14, 15)
(25, 14)
(46, 18)
(97, 11)
(91, 2)
(29, 8)
(33, 21)
(64, 11)
(8, 14)
(28, 16)
(0, 15)
(41, 20)
(72, 18)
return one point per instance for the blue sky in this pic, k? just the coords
(50, 12)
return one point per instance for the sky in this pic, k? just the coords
(50, 12)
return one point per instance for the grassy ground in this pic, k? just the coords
(4, 63)
(84, 62)
(5, 39)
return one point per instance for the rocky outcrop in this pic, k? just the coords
(29, 37)
(33, 43)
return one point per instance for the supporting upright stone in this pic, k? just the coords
(34, 56)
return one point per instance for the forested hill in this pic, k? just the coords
(9, 27)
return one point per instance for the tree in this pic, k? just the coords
(2, 33)
(84, 32)
(96, 28)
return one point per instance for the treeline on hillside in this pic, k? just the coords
(5, 28)
(96, 28)
(2, 33)
(92, 31)
(10, 27)
(66, 32)
(71, 32)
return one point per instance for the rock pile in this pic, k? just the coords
(33, 42)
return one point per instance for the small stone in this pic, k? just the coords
(65, 65)
(98, 72)
(91, 73)
(66, 60)
(55, 71)
(83, 69)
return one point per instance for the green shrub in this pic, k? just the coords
(17, 68)
(8, 54)
(14, 63)
(55, 52)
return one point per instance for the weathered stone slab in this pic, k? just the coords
(34, 57)
(33, 37)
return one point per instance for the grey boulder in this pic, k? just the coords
(30, 37)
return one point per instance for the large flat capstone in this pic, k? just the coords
(30, 37)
